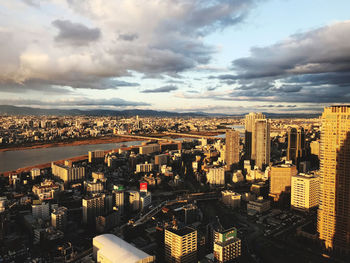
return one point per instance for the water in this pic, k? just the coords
(239, 128)
(12, 160)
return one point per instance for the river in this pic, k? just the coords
(12, 160)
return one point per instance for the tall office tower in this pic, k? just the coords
(305, 192)
(119, 200)
(232, 148)
(280, 180)
(180, 245)
(59, 218)
(93, 206)
(333, 222)
(249, 131)
(296, 144)
(227, 246)
(40, 210)
(262, 143)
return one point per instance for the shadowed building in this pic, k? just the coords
(333, 222)
(232, 148)
(262, 143)
(296, 144)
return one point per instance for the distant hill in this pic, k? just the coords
(14, 110)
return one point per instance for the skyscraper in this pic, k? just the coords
(305, 192)
(262, 143)
(333, 222)
(249, 131)
(232, 148)
(296, 144)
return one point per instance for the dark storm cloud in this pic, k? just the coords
(75, 33)
(163, 89)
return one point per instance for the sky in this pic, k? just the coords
(223, 56)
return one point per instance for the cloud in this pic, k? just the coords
(128, 37)
(75, 33)
(73, 102)
(111, 39)
(318, 51)
(163, 89)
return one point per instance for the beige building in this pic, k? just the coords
(180, 245)
(249, 133)
(260, 205)
(305, 191)
(315, 148)
(232, 148)
(59, 218)
(262, 143)
(333, 222)
(281, 178)
(227, 246)
(216, 176)
(67, 173)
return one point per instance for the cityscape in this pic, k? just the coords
(175, 131)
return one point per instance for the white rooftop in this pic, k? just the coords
(118, 250)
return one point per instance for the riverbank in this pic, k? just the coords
(87, 141)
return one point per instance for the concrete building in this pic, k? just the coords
(231, 198)
(35, 172)
(149, 148)
(250, 133)
(134, 200)
(260, 205)
(145, 199)
(59, 218)
(96, 155)
(67, 173)
(333, 223)
(41, 210)
(161, 159)
(47, 190)
(281, 178)
(296, 144)
(144, 167)
(180, 245)
(93, 206)
(237, 177)
(94, 187)
(305, 191)
(232, 148)
(119, 200)
(216, 176)
(315, 148)
(262, 143)
(227, 246)
(109, 248)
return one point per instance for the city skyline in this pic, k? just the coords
(211, 56)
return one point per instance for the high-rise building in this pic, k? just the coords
(262, 143)
(93, 206)
(59, 218)
(296, 144)
(333, 222)
(119, 199)
(305, 191)
(180, 245)
(227, 246)
(232, 148)
(315, 148)
(281, 177)
(249, 131)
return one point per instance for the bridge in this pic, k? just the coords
(188, 135)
